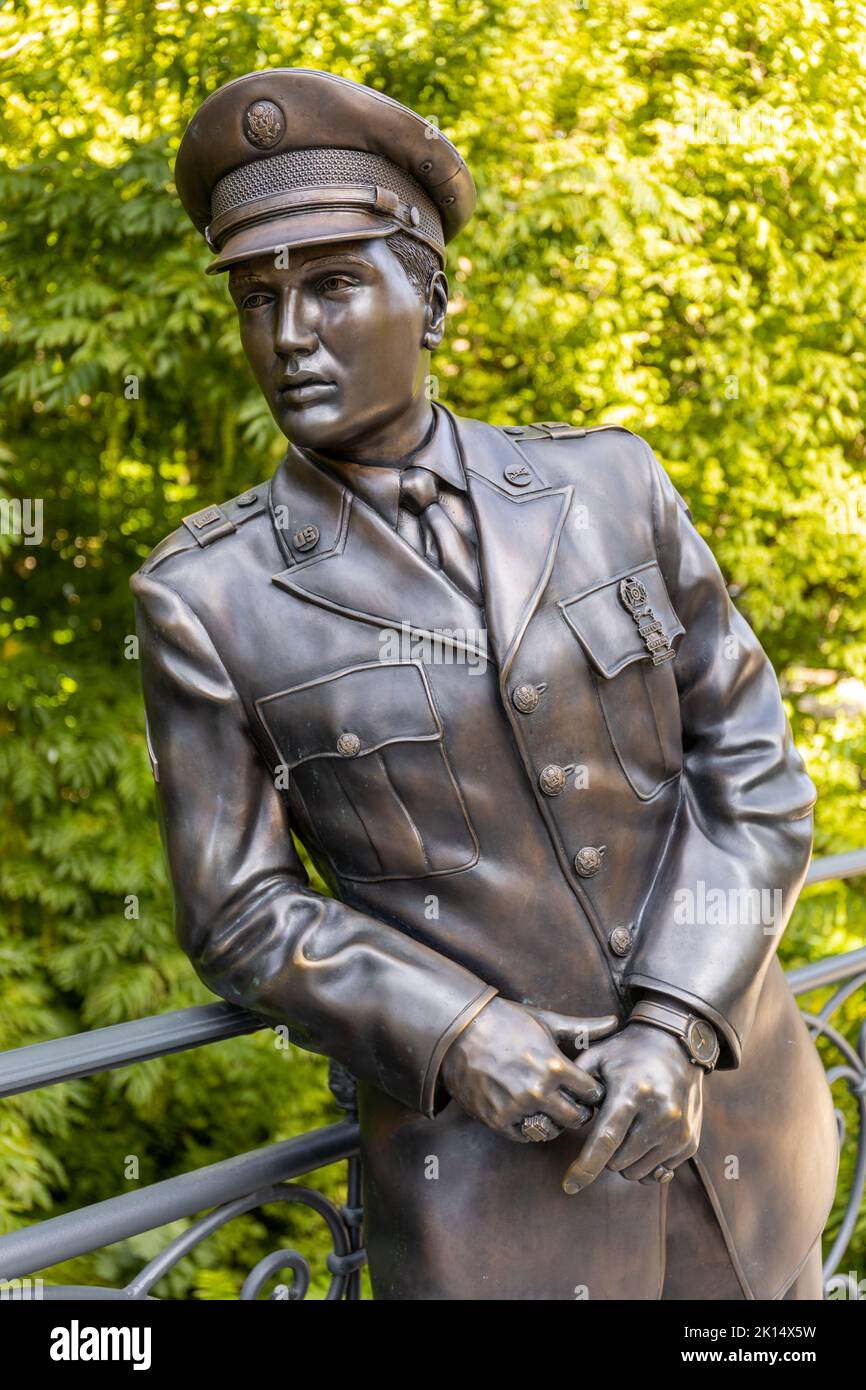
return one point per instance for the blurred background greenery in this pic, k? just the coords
(672, 203)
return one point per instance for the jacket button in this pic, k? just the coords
(552, 779)
(620, 941)
(525, 698)
(247, 499)
(587, 861)
(348, 745)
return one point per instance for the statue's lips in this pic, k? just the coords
(304, 391)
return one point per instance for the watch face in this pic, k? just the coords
(702, 1041)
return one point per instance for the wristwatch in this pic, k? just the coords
(696, 1034)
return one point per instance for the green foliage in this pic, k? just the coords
(669, 236)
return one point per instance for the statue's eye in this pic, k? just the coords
(256, 301)
(332, 283)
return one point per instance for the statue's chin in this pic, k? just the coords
(337, 426)
(314, 425)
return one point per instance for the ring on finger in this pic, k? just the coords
(663, 1173)
(539, 1129)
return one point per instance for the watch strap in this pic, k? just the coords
(676, 1021)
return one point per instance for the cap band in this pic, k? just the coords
(366, 197)
(300, 180)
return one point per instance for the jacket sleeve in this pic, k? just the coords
(350, 986)
(740, 845)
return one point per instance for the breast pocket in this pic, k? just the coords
(365, 751)
(627, 628)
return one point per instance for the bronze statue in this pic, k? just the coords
(492, 680)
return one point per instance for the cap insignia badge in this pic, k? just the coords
(263, 124)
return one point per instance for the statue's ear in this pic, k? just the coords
(435, 309)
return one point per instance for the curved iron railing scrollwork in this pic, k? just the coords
(233, 1187)
(852, 1071)
(38, 1247)
(347, 1257)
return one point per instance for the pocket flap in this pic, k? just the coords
(374, 705)
(617, 625)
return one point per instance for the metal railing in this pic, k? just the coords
(247, 1181)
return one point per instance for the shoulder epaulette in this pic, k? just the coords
(556, 429)
(210, 524)
(548, 429)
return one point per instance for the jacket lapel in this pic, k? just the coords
(519, 525)
(360, 566)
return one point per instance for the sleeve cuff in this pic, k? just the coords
(729, 1040)
(433, 1098)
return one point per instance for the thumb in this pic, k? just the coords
(574, 1033)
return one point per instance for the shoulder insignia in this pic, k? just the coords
(556, 429)
(208, 525)
(548, 429)
(212, 523)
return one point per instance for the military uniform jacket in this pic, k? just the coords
(427, 787)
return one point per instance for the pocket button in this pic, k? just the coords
(348, 745)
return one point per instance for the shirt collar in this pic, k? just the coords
(379, 485)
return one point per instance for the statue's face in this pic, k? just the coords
(335, 340)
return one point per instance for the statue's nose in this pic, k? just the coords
(294, 332)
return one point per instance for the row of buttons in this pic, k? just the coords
(553, 780)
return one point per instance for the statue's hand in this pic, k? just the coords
(506, 1066)
(652, 1111)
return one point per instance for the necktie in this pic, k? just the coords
(419, 494)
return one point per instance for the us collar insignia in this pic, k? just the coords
(634, 596)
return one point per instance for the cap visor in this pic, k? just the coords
(299, 229)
